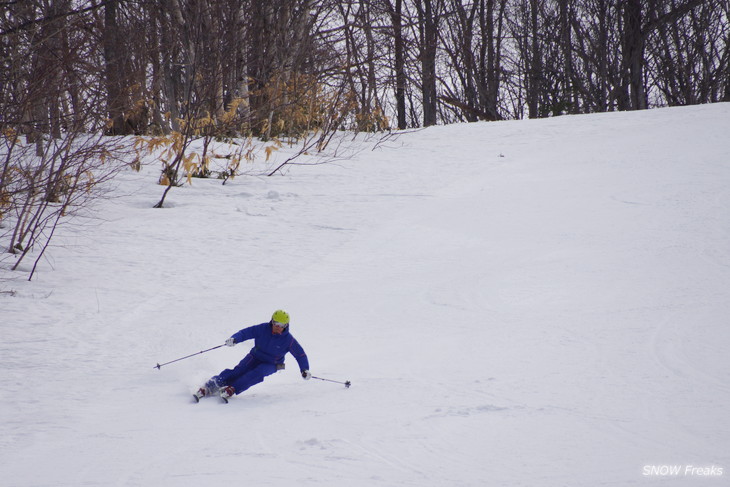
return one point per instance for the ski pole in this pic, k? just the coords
(346, 383)
(187, 356)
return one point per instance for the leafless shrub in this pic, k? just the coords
(51, 163)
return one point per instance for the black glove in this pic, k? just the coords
(306, 374)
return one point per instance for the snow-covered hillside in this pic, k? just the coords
(524, 303)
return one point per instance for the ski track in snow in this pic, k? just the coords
(524, 303)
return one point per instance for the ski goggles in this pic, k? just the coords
(282, 325)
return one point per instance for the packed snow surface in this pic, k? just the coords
(521, 303)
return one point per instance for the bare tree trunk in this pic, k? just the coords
(726, 93)
(171, 66)
(114, 71)
(242, 90)
(159, 125)
(396, 18)
(373, 101)
(491, 55)
(602, 49)
(428, 28)
(566, 46)
(634, 93)
(535, 63)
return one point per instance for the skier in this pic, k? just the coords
(272, 341)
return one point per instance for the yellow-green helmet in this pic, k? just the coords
(280, 316)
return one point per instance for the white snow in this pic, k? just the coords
(523, 303)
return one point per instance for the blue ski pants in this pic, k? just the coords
(249, 371)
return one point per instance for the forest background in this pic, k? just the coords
(142, 66)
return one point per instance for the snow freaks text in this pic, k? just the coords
(682, 471)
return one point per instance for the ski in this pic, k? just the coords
(196, 399)
(209, 392)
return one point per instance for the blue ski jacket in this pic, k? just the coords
(271, 348)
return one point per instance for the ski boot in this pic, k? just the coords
(202, 392)
(226, 392)
(210, 388)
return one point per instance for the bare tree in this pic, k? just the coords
(429, 13)
(114, 71)
(687, 55)
(420, 61)
(472, 40)
(59, 167)
(395, 11)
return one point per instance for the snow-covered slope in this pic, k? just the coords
(537, 303)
